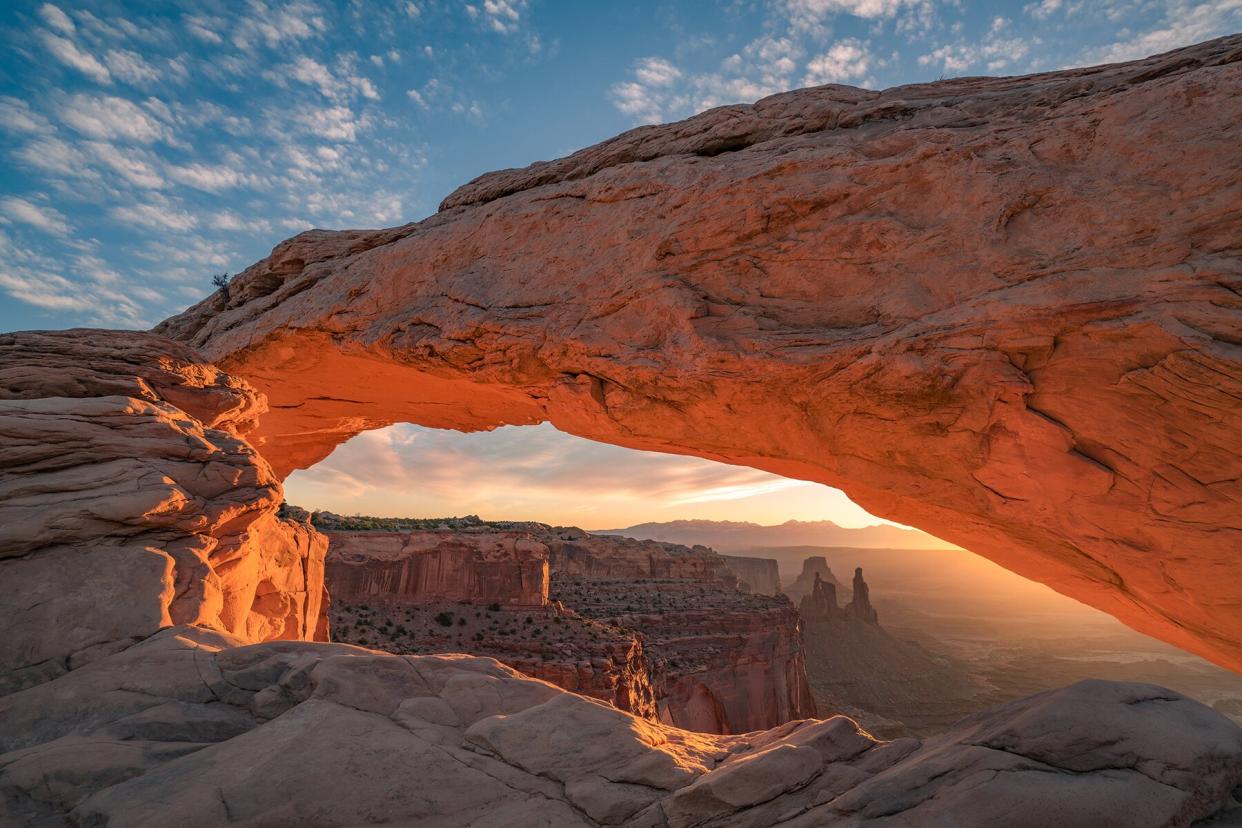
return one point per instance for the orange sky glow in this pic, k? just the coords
(539, 473)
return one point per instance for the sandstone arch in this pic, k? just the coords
(1003, 310)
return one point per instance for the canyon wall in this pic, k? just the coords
(736, 672)
(1003, 310)
(130, 501)
(760, 575)
(482, 568)
(658, 629)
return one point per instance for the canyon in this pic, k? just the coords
(1002, 310)
(657, 629)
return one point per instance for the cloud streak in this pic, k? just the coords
(539, 473)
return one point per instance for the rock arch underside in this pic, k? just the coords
(1006, 311)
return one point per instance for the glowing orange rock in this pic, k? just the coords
(1005, 311)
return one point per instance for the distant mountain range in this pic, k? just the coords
(735, 536)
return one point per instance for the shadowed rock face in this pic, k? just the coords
(130, 501)
(266, 734)
(1005, 311)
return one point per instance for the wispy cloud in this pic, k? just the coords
(109, 116)
(537, 472)
(999, 49)
(70, 54)
(795, 50)
(43, 217)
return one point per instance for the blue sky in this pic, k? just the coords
(150, 145)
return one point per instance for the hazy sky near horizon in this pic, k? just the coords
(148, 146)
(539, 473)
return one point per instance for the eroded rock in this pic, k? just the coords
(191, 727)
(1002, 310)
(129, 501)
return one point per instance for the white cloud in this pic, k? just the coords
(279, 25)
(110, 117)
(207, 177)
(228, 220)
(654, 71)
(128, 164)
(998, 50)
(846, 60)
(335, 86)
(198, 257)
(335, 123)
(47, 219)
(55, 156)
(812, 16)
(44, 290)
(503, 16)
(472, 111)
(84, 285)
(57, 19)
(205, 28)
(17, 116)
(1043, 9)
(154, 216)
(660, 91)
(68, 53)
(130, 67)
(1185, 22)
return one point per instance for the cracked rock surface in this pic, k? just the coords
(190, 727)
(1005, 311)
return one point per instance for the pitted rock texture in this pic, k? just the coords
(1005, 311)
(224, 734)
(129, 502)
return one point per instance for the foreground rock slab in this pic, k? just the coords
(190, 728)
(1005, 311)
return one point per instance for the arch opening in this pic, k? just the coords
(957, 634)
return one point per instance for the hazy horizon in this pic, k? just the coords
(542, 474)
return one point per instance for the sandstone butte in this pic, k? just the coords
(1005, 311)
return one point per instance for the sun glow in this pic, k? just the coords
(539, 473)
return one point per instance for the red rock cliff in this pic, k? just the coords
(414, 567)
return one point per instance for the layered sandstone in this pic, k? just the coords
(129, 501)
(1002, 310)
(758, 575)
(720, 660)
(657, 629)
(314, 734)
(423, 567)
